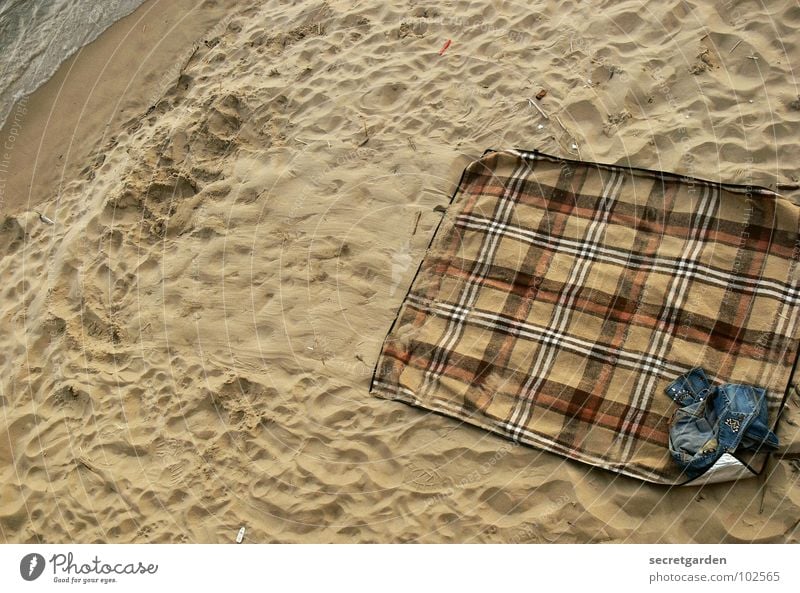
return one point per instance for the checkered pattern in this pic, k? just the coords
(558, 298)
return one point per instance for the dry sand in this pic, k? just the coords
(188, 350)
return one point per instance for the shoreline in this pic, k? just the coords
(90, 96)
(67, 29)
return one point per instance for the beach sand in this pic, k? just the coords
(188, 349)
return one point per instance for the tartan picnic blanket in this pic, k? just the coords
(558, 298)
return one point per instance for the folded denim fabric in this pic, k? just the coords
(712, 421)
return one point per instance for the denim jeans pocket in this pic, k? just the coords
(690, 430)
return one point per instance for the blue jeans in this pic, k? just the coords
(712, 421)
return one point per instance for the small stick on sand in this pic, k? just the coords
(43, 218)
(107, 480)
(573, 143)
(366, 133)
(191, 55)
(416, 223)
(734, 47)
(301, 141)
(539, 109)
(563, 127)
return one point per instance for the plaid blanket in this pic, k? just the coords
(558, 298)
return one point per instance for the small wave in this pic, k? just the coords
(36, 38)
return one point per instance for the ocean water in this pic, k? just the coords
(36, 36)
